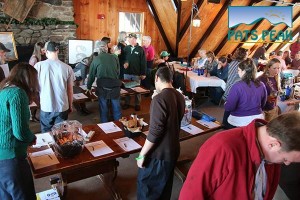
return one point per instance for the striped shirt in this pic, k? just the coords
(233, 77)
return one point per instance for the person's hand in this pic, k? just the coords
(140, 161)
(126, 65)
(33, 141)
(89, 92)
(70, 109)
(142, 77)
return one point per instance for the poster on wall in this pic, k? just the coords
(79, 49)
(7, 39)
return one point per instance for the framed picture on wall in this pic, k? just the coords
(79, 49)
(7, 39)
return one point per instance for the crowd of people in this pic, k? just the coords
(249, 154)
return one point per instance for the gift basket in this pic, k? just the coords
(68, 141)
(132, 127)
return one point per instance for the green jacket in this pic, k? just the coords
(15, 135)
(104, 66)
(136, 59)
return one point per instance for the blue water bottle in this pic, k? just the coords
(198, 71)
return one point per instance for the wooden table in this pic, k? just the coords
(85, 165)
(105, 167)
(194, 81)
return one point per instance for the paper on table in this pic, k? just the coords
(139, 89)
(43, 139)
(79, 96)
(83, 133)
(43, 158)
(84, 87)
(109, 127)
(123, 91)
(127, 144)
(98, 148)
(192, 129)
(208, 124)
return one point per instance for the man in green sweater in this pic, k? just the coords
(135, 67)
(106, 68)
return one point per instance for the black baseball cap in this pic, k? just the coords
(3, 48)
(52, 46)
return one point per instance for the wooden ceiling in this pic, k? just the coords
(170, 27)
(212, 34)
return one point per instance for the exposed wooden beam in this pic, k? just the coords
(178, 27)
(285, 28)
(176, 3)
(211, 27)
(282, 44)
(188, 21)
(160, 28)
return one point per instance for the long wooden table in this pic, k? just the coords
(105, 167)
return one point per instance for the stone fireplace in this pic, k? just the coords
(54, 21)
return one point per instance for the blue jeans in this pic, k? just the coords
(138, 97)
(48, 119)
(103, 109)
(155, 180)
(16, 180)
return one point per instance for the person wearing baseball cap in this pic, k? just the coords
(56, 88)
(134, 67)
(3, 51)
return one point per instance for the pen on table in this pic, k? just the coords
(189, 128)
(50, 157)
(205, 125)
(43, 140)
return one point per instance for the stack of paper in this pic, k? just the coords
(127, 144)
(98, 148)
(84, 87)
(43, 158)
(109, 127)
(79, 96)
(192, 129)
(43, 139)
(208, 124)
(139, 89)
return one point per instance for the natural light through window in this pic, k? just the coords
(132, 23)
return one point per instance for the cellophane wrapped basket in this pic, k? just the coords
(68, 139)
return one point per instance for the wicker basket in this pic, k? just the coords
(68, 140)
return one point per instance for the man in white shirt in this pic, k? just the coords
(56, 88)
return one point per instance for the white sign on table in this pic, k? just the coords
(192, 129)
(109, 127)
(44, 158)
(98, 148)
(127, 144)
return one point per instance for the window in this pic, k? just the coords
(132, 23)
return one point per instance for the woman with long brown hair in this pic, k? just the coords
(16, 92)
(271, 80)
(247, 97)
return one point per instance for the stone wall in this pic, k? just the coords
(28, 35)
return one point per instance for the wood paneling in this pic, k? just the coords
(90, 27)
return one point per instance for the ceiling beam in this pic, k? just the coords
(160, 28)
(176, 3)
(211, 27)
(178, 27)
(188, 21)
